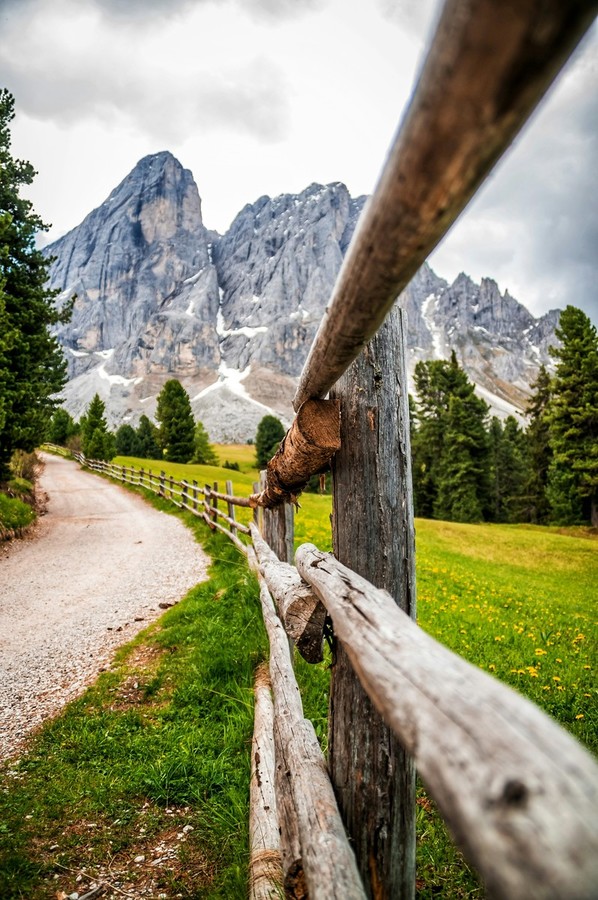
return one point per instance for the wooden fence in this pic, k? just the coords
(519, 794)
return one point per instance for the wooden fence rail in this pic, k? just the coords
(519, 794)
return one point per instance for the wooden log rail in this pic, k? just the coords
(519, 794)
(317, 859)
(265, 861)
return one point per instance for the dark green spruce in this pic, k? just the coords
(177, 426)
(572, 417)
(32, 366)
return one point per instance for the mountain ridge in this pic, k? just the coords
(159, 295)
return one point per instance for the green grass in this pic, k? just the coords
(514, 600)
(244, 454)
(161, 741)
(520, 603)
(14, 514)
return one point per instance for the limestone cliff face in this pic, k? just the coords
(233, 316)
(147, 291)
(277, 265)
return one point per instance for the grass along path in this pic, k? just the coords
(142, 783)
(161, 744)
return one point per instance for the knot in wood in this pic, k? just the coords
(515, 792)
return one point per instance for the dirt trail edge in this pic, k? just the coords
(93, 576)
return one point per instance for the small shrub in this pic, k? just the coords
(231, 465)
(24, 465)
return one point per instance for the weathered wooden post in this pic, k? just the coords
(373, 533)
(208, 511)
(194, 495)
(278, 527)
(141, 476)
(162, 489)
(257, 510)
(215, 503)
(231, 508)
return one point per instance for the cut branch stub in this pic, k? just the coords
(306, 450)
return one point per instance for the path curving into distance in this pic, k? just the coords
(93, 575)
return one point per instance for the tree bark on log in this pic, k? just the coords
(327, 860)
(265, 863)
(519, 794)
(373, 533)
(301, 611)
(305, 450)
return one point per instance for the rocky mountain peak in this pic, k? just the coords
(233, 316)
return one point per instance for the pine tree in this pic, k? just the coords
(96, 442)
(147, 440)
(203, 452)
(127, 443)
(573, 421)
(463, 472)
(270, 433)
(177, 427)
(32, 366)
(509, 470)
(435, 438)
(62, 426)
(539, 451)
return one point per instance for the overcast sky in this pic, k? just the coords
(267, 96)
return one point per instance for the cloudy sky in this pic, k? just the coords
(266, 96)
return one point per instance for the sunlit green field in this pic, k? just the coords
(518, 601)
(243, 454)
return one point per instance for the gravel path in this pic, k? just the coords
(91, 576)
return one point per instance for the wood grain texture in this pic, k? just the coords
(488, 67)
(373, 533)
(300, 610)
(519, 794)
(305, 450)
(265, 862)
(327, 860)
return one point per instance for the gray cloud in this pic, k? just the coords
(535, 223)
(414, 16)
(106, 82)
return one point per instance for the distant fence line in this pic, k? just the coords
(519, 792)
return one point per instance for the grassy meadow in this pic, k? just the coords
(516, 600)
(161, 742)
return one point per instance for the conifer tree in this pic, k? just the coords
(270, 433)
(32, 366)
(126, 441)
(203, 452)
(509, 470)
(539, 451)
(463, 489)
(147, 440)
(96, 441)
(177, 426)
(573, 421)
(62, 426)
(436, 439)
